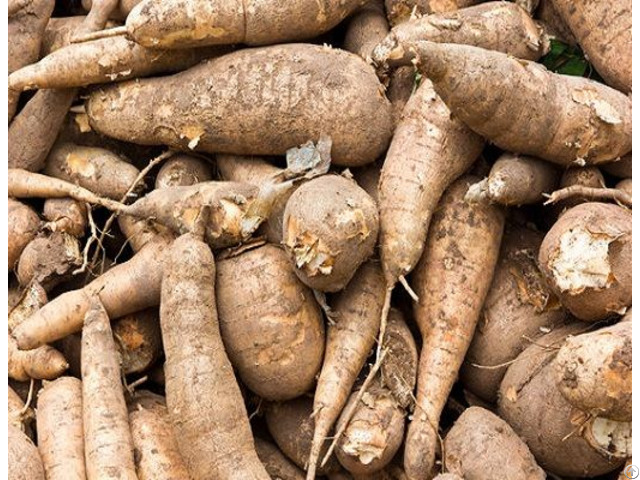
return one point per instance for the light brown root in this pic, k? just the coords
(129, 193)
(383, 320)
(106, 33)
(591, 193)
(348, 414)
(27, 404)
(407, 287)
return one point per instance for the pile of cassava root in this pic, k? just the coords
(340, 239)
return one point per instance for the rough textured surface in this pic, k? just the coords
(400, 367)
(107, 439)
(553, 24)
(350, 337)
(532, 404)
(451, 281)
(481, 444)
(330, 228)
(374, 433)
(184, 23)
(621, 168)
(603, 30)
(519, 306)
(209, 418)
(156, 452)
(594, 371)
(23, 224)
(65, 215)
(49, 260)
(429, 150)
(367, 27)
(566, 119)
(275, 462)
(91, 168)
(139, 340)
(256, 171)
(183, 170)
(516, 180)
(399, 11)
(102, 61)
(499, 26)
(586, 258)
(270, 324)
(23, 459)
(126, 288)
(291, 425)
(223, 104)
(60, 431)
(25, 31)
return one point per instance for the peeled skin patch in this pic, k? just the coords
(581, 261)
(611, 437)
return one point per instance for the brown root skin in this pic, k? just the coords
(26, 28)
(588, 194)
(271, 326)
(402, 83)
(65, 215)
(359, 135)
(23, 458)
(349, 341)
(291, 424)
(519, 306)
(400, 369)
(140, 231)
(43, 362)
(530, 401)
(429, 150)
(23, 224)
(121, 11)
(181, 24)
(275, 462)
(400, 11)
(500, 26)
(25, 31)
(139, 340)
(587, 122)
(91, 168)
(604, 33)
(621, 168)
(49, 260)
(330, 228)
(374, 432)
(625, 186)
(256, 171)
(126, 288)
(368, 178)
(107, 439)
(209, 417)
(183, 170)
(60, 30)
(60, 429)
(34, 131)
(586, 259)
(367, 27)
(552, 23)
(594, 371)
(452, 281)
(179, 208)
(156, 452)
(515, 180)
(19, 416)
(481, 443)
(104, 61)
(25, 184)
